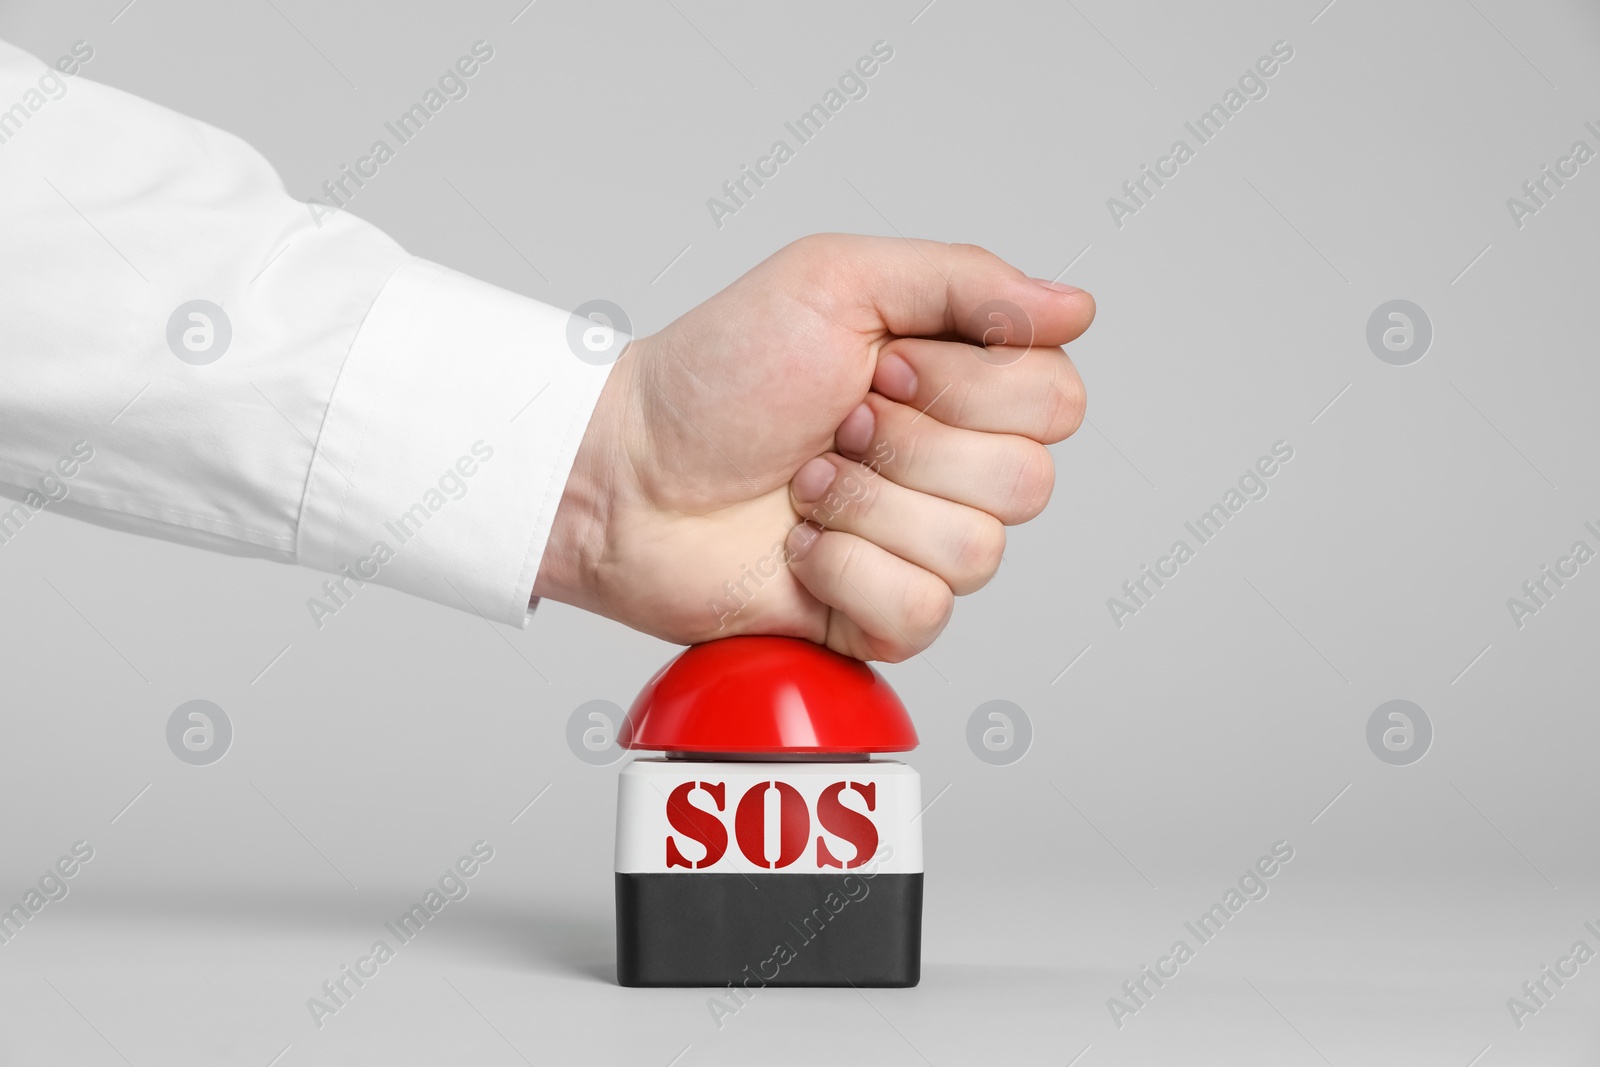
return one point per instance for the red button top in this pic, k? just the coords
(767, 695)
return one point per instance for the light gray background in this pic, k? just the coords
(1176, 750)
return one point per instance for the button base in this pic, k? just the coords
(769, 929)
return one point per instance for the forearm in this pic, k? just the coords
(258, 377)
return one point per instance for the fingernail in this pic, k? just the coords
(1058, 287)
(811, 481)
(895, 379)
(854, 435)
(800, 540)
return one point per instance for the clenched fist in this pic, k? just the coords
(830, 448)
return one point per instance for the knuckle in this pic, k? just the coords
(1032, 480)
(977, 554)
(926, 608)
(963, 405)
(1068, 401)
(847, 552)
(813, 244)
(898, 442)
(861, 493)
(892, 649)
(970, 253)
(818, 257)
(969, 260)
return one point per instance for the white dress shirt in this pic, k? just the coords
(369, 413)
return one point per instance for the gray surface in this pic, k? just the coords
(1223, 717)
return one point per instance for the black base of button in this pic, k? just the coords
(769, 929)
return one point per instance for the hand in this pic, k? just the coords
(818, 451)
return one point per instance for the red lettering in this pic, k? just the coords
(707, 828)
(750, 824)
(697, 823)
(847, 823)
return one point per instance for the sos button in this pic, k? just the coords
(766, 846)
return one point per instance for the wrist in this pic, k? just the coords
(569, 570)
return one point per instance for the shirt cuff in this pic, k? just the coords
(446, 445)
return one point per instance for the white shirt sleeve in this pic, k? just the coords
(370, 413)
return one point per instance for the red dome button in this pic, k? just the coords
(758, 695)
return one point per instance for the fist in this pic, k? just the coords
(830, 448)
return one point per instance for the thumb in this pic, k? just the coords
(930, 289)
